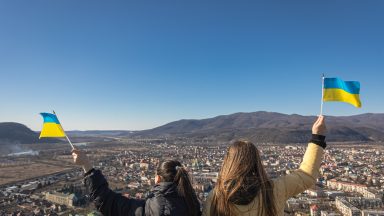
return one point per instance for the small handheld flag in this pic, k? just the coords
(335, 89)
(52, 127)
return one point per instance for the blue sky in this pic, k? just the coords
(140, 64)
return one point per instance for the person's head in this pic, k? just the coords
(242, 177)
(173, 171)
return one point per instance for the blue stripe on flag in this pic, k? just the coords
(352, 87)
(48, 117)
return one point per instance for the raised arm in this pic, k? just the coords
(106, 201)
(305, 177)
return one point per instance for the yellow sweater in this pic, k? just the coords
(286, 186)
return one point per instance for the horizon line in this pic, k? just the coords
(132, 130)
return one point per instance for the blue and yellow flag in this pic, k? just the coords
(51, 126)
(336, 89)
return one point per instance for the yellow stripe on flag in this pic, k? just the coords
(51, 129)
(336, 94)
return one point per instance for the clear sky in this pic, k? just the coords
(139, 64)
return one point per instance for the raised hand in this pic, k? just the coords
(80, 158)
(319, 127)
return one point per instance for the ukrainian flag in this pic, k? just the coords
(336, 89)
(51, 126)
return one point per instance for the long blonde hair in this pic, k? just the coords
(242, 173)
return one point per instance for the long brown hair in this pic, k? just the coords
(173, 171)
(242, 173)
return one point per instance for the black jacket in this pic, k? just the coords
(162, 201)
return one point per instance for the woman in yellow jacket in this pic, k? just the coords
(243, 187)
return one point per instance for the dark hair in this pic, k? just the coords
(242, 169)
(173, 171)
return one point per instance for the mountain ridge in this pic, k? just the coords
(259, 127)
(268, 127)
(17, 133)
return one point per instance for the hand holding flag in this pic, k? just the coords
(319, 127)
(80, 158)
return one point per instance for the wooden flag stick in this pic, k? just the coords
(322, 95)
(64, 131)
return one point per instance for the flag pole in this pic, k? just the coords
(322, 95)
(64, 131)
(69, 141)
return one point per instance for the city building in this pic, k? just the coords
(60, 198)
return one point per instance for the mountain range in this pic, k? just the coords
(259, 127)
(271, 127)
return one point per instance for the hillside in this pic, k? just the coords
(98, 133)
(273, 127)
(260, 127)
(16, 133)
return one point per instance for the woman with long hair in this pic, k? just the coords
(244, 188)
(172, 194)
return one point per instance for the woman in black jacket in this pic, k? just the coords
(172, 195)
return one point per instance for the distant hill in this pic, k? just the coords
(16, 133)
(271, 127)
(98, 133)
(260, 127)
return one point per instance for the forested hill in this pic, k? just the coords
(16, 133)
(271, 127)
(260, 127)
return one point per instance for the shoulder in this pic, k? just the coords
(207, 204)
(209, 197)
(155, 205)
(279, 185)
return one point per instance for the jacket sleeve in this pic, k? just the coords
(304, 177)
(108, 202)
